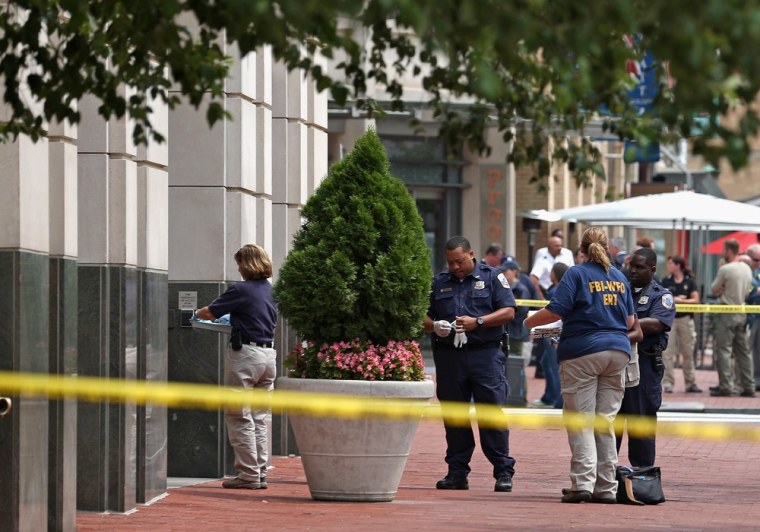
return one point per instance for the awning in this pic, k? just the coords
(745, 240)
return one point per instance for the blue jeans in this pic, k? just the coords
(552, 391)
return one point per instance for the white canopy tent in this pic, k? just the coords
(680, 210)
(672, 210)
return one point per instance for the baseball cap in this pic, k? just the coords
(509, 263)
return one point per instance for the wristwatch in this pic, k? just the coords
(479, 321)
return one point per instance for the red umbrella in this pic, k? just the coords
(745, 240)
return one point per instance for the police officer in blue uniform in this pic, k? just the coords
(656, 311)
(471, 302)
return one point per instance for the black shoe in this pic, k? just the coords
(747, 394)
(693, 389)
(503, 483)
(449, 483)
(722, 393)
(575, 497)
(599, 499)
(714, 388)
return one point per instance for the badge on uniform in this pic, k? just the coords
(503, 280)
(643, 300)
(667, 301)
(480, 285)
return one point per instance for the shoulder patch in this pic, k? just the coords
(667, 301)
(503, 280)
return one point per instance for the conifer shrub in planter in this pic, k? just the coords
(355, 288)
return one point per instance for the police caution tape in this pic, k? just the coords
(210, 397)
(680, 307)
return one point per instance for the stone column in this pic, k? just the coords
(299, 132)
(24, 332)
(108, 308)
(153, 286)
(220, 187)
(62, 443)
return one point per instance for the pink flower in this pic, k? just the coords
(358, 360)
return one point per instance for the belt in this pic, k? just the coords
(268, 345)
(470, 347)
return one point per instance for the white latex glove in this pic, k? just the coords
(460, 339)
(442, 328)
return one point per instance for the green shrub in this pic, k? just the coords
(359, 267)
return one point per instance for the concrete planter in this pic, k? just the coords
(355, 459)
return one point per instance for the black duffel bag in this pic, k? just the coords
(639, 486)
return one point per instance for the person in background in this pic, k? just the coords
(579, 257)
(594, 302)
(645, 242)
(680, 282)
(542, 267)
(753, 320)
(552, 397)
(655, 310)
(494, 255)
(250, 361)
(544, 250)
(471, 302)
(618, 254)
(527, 284)
(524, 278)
(540, 276)
(732, 284)
(517, 336)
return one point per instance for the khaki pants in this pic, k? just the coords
(681, 340)
(251, 367)
(593, 384)
(731, 339)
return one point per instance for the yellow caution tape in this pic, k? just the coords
(211, 397)
(680, 307)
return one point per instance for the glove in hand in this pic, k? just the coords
(442, 328)
(460, 339)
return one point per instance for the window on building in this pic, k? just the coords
(433, 173)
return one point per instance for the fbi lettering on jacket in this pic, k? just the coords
(608, 289)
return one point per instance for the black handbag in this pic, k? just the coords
(639, 486)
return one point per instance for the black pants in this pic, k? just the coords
(463, 376)
(642, 400)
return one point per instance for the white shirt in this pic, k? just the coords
(542, 266)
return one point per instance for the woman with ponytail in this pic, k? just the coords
(595, 304)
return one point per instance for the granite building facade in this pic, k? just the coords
(97, 239)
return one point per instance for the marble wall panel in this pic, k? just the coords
(93, 130)
(62, 442)
(242, 79)
(24, 346)
(196, 152)
(240, 142)
(197, 228)
(197, 442)
(63, 199)
(122, 212)
(263, 146)
(264, 75)
(298, 97)
(106, 436)
(153, 355)
(152, 218)
(92, 214)
(24, 182)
